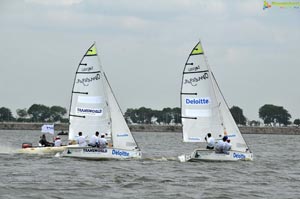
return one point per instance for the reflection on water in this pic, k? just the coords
(274, 173)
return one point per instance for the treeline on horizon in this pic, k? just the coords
(270, 114)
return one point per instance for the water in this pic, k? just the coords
(274, 173)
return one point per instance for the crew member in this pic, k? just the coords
(210, 141)
(94, 141)
(81, 140)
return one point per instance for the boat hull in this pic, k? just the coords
(95, 153)
(42, 150)
(211, 155)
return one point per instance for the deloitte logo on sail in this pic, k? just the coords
(119, 153)
(197, 101)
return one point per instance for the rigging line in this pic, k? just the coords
(203, 71)
(88, 72)
(76, 116)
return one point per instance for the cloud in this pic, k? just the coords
(144, 45)
(54, 2)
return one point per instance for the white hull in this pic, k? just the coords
(95, 153)
(210, 155)
(42, 150)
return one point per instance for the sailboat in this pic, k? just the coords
(204, 110)
(94, 108)
(28, 148)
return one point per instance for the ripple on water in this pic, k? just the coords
(273, 173)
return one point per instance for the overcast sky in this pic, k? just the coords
(143, 44)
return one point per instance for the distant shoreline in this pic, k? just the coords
(154, 128)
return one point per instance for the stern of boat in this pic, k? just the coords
(211, 155)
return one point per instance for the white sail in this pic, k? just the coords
(231, 129)
(204, 109)
(89, 110)
(199, 106)
(121, 135)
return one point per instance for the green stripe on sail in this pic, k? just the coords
(92, 51)
(197, 50)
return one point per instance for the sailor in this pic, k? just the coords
(94, 141)
(81, 140)
(220, 145)
(57, 141)
(210, 141)
(43, 141)
(102, 141)
(227, 146)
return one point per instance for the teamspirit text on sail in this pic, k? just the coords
(193, 81)
(86, 81)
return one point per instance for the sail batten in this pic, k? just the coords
(205, 71)
(77, 116)
(88, 72)
(84, 93)
(188, 93)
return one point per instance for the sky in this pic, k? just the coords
(143, 45)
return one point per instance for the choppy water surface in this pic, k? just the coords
(274, 173)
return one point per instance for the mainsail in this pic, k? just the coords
(89, 111)
(203, 106)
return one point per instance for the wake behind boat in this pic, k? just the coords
(204, 110)
(94, 108)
